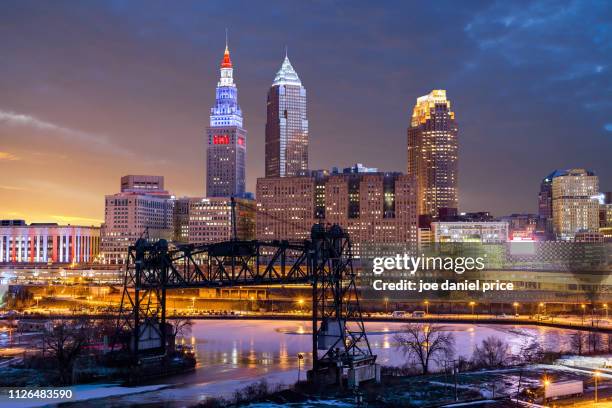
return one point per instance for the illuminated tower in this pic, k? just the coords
(432, 154)
(226, 153)
(286, 125)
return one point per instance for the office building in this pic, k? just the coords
(575, 203)
(210, 220)
(142, 208)
(226, 138)
(433, 154)
(374, 208)
(48, 243)
(286, 125)
(487, 232)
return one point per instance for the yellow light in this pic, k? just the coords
(597, 374)
(541, 304)
(515, 304)
(426, 302)
(301, 301)
(583, 306)
(472, 303)
(546, 383)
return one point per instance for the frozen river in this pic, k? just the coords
(235, 353)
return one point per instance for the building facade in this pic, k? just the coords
(286, 125)
(374, 208)
(210, 220)
(545, 200)
(433, 153)
(226, 139)
(575, 203)
(48, 243)
(486, 232)
(141, 209)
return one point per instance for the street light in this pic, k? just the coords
(301, 303)
(583, 306)
(193, 303)
(472, 304)
(546, 384)
(37, 298)
(596, 374)
(386, 305)
(516, 306)
(605, 306)
(426, 306)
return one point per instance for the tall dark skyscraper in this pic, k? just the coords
(286, 125)
(227, 140)
(433, 154)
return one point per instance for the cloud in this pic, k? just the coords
(98, 142)
(8, 156)
(12, 188)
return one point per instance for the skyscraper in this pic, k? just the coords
(227, 140)
(432, 153)
(575, 203)
(286, 125)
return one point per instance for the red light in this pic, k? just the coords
(221, 139)
(241, 141)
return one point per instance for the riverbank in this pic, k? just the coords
(561, 322)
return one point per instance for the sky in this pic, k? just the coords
(91, 91)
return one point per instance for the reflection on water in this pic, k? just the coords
(232, 354)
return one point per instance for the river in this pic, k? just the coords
(232, 354)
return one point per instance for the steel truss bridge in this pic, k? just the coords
(325, 262)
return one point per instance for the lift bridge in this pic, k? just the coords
(339, 342)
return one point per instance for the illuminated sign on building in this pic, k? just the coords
(241, 141)
(221, 139)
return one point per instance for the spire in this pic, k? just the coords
(286, 75)
(227, 62)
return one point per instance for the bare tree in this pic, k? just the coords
(530, 352)
(425, 342)
(594, 341)
(577, 342)
(180, 327)
(493, 352)
(65, 342)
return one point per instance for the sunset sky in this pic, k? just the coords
(91, 91)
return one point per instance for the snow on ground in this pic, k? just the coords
(79, 393)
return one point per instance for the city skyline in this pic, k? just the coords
(136, 102)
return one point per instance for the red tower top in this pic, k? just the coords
(227, 62)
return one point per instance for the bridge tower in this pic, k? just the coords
(340, 345)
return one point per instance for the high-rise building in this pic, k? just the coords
(227, 140)
(433, 153)
(47, 243)
(286, 125)
(141, 209)
(575, 203)
(374, 208)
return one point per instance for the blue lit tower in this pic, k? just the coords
(226, 153)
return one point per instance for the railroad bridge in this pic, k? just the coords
(339, 341)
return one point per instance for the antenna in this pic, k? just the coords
(226, 37)
(286, 52)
